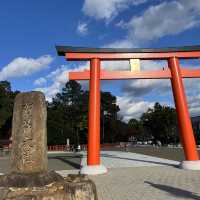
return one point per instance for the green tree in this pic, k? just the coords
(135, 126)
(66, 114)
(118, 131)
(6, 108)
(136, 129)
(161, 123)
(109, 109)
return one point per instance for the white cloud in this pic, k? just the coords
(123, 43)
(192, 88)
(24, 66)
(117, 65)
(121, 24)
(130, 105)
(163, 19)
(160, 87)
(166, 18)
(58, 78)
(82, 28)
(40, 81)
(107, 9)
(145, 86)
(194, 105)
(139, 87)
(132, 108)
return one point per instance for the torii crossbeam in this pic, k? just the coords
(174, 72)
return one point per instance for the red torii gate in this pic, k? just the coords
(95, 74)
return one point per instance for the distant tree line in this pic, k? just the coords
(158, 124)
(68, 115)
(7, 97)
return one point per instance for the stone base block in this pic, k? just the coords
(54, 191)
(80, 187)
(29, 180)
(73, 187)
(93, 169)
(190, 165)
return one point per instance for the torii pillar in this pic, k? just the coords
(93, 153)
(174, 72)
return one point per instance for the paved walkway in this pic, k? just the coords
(134, 176)
(146, 183)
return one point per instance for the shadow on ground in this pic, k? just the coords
(140, 160)
(177, 192)
(64, 161)
(72, 161)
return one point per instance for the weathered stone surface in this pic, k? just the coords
(80, 187)
(53, 191)
(74, 187)
(29, 147)
(29, 180)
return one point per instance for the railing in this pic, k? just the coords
(57, 148)
(83, 147)
(64, 147)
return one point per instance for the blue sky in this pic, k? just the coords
(29, 31)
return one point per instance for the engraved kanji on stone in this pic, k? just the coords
(29, 148)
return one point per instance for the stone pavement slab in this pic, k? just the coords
(133, 176)
(144, 183)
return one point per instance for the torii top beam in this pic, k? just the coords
(83, 53)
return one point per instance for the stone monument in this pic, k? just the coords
(29, 177)
(29, 147)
